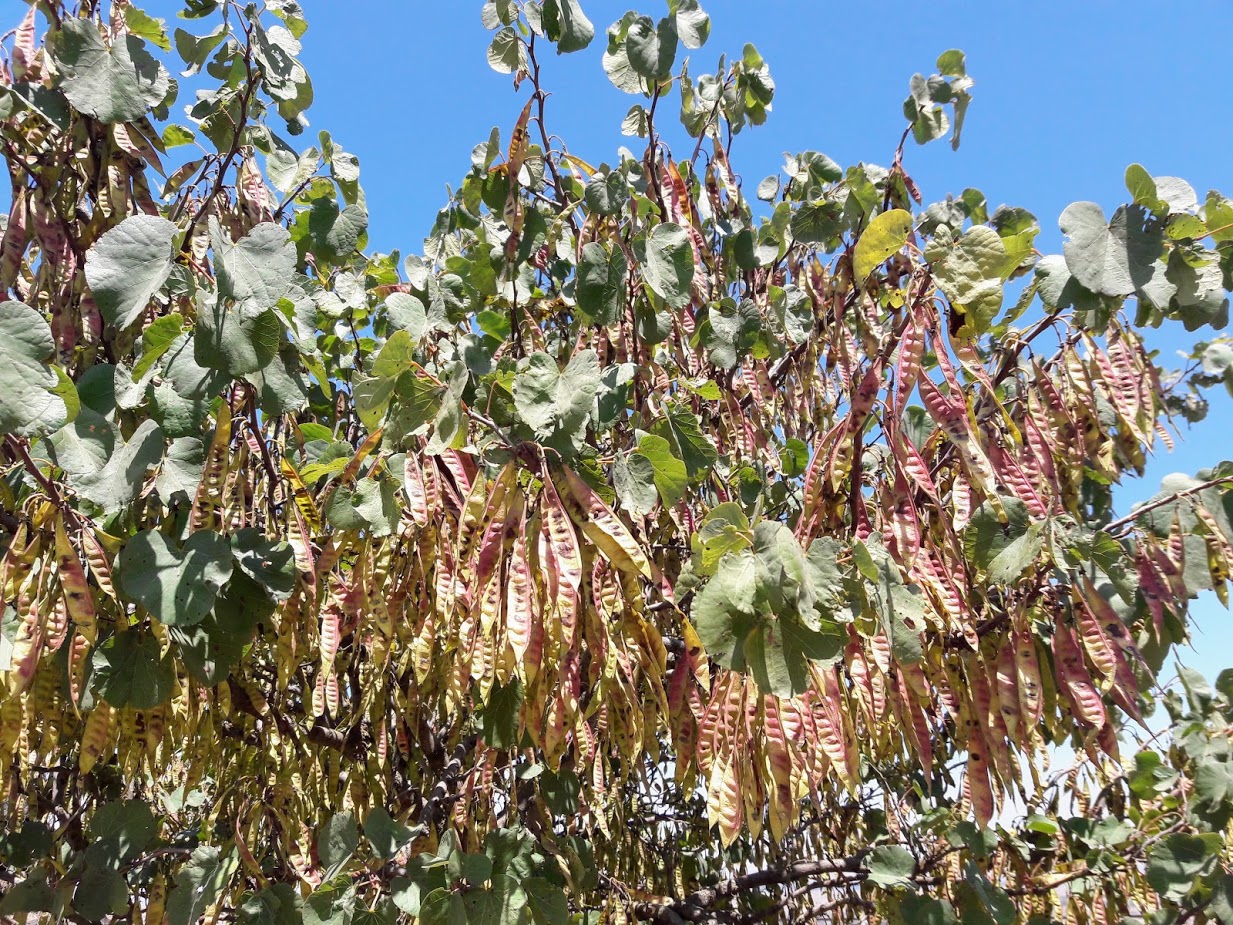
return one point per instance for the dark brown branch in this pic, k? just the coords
(693, 907)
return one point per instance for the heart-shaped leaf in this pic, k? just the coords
(177, 585)
(113, 84)
(271, 564)
(128, 265)
(29, 403)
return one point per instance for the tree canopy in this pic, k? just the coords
(635, 548)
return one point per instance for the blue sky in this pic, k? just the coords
(1067, 95)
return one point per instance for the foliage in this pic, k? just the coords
(635, 550)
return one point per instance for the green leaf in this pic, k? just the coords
(421, 880)
(158, 336)
(83, 447)
(212, 648)
(407, 313)
(1178, 195)
(682, 428)
(1213, 784)
(1151, 776)
(30, 895)
(1221, 904)
(606, 193)
(651, 48)
(145, 26)
(128, 265)
(386, 835)
(567, 25)
(906, 619)
(731, 331)
(282, 385)
(448, 426)
(181, 468)
(692, 24)
(971, 274)
(1059, 289)
(257, 270)
(483, 907)
(366, 504)
(925, 910)
(556, 404)
(190, 379)
(194, 50)
(1142, 189)
(99, 891)
(443, 907)
(176, 585)
(336, 842)
(336, 234)
(669, 268)
(612, 397)
(121, 830)
(1176, 862)
(119, 83)
(270, 563)
(29, 405)
(476, 868)
(723, 611)
(1110, 259)
(616, 57)
(500, 716)
(819, 222)
(235, 343)
(129, 672)
(982, 903)
(886, 234)
(330, 904)
(601, 283)
(633, 478)
(1007, 550)
(1218, 213)
(199, 884)
(277, 904)
(120, 480)
(547, 902)
(668, 471)
(507, 54)
(891, 866)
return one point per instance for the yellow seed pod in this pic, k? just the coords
(156, 901)
(95, 736)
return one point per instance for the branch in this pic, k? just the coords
(1167, 499)
(691, 908)
(250, 88)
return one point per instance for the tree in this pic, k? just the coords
(637, 551)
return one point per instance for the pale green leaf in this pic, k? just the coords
(116, 83)
(178, 585)
(29, 405)
(128, 265)
(669, 269)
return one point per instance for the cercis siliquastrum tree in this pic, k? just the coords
(639, 550)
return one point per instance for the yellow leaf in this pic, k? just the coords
(885, 235)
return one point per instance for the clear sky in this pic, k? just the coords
(1067, 95)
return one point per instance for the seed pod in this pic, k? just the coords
(95, 736)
